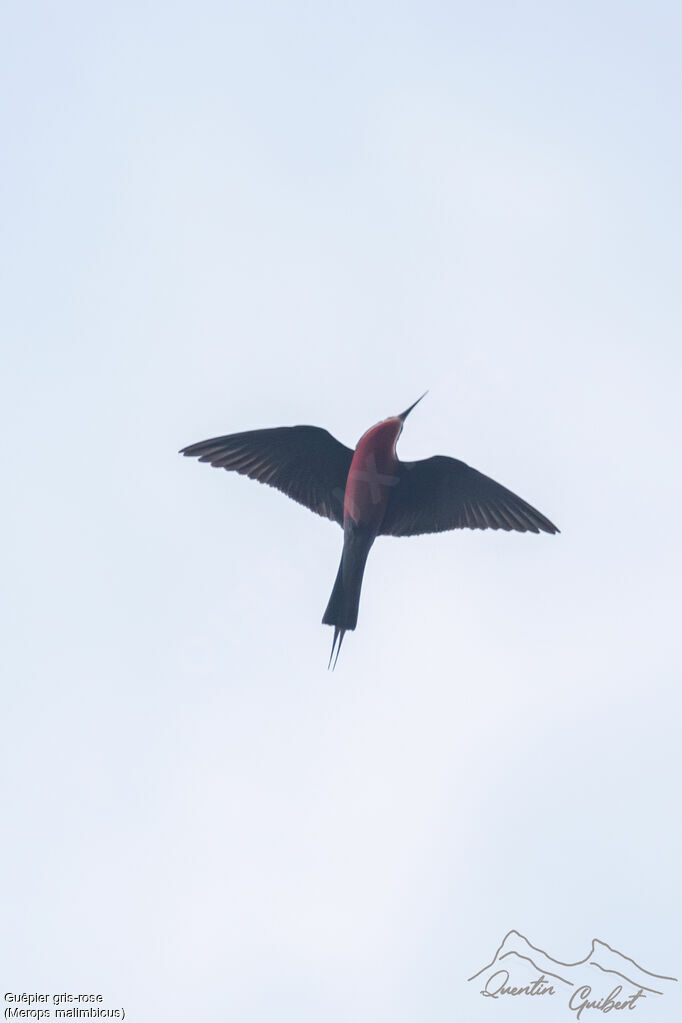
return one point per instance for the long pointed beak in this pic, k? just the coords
(405, 414)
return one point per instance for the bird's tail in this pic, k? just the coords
(342, 609)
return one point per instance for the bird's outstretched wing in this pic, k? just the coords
(442, 493)
(304, 462)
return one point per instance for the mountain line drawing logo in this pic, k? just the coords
(605, 980)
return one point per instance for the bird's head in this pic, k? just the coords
(387, 432)
(403, 415)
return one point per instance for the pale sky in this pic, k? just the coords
(224, 216)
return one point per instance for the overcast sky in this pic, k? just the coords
(224, 216)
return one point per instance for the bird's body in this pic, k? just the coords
(369, 492)
(371, 475)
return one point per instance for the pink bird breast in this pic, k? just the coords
(372, 474)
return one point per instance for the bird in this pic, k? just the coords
(369, 492)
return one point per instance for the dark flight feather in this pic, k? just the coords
(305, 462)
(441, 493)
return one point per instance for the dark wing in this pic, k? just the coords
(442, 493)
(304, 462)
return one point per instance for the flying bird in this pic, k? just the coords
(370, 493)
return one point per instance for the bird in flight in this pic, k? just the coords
(369, 492)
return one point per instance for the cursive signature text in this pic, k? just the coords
(498, 984)
(580, 1000)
